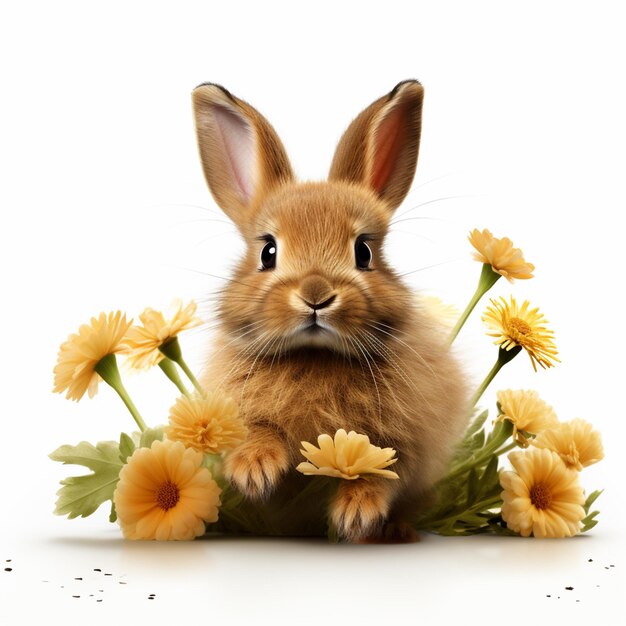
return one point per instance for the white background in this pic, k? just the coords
(104, 206)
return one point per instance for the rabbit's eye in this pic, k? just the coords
(363, 254)
(268, 255)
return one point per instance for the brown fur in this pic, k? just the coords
(383, 370)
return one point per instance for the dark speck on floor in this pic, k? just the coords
(569, 588)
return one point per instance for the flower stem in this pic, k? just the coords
(434, 523)
(501, 432)
(487, 280)
(191, 377)
(504, 356)
(109, 372)
(169, 369)
(171, 349)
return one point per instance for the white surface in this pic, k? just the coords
(101, 200)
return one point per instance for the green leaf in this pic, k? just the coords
(490, 481)
(591, 499)
(113, 513)
(478, 440)
(100, 457)
(127, 447)
(590, 517)
(476, 425)
(472, 487)
(82, 495)
(589, 526)
(150, 435)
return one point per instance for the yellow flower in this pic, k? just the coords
(575, 442)
(347, 456)
(501, 255)
(513, 325)
(542, 496)
(144, 341)
(165, 493)
(527, 411)
(436, 309)
(206, 424)
(81, 353)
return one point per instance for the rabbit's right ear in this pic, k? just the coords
(242, 157)
(379, 149)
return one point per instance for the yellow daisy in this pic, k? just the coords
(437, 310)
(144, 341)
(527, 412)
(514, 325)
(347, 456)
(500, 254)
(542, 496)
(206, 424)
(575, 442)
(81, 353)
(165, 493)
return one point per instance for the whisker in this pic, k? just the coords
(430, 267)
(433, 201)
(417, 354)
(259, 354)
(358, 345)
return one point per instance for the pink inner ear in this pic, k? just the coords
(237, 139)
(388, 143)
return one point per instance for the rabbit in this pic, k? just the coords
(316, 331)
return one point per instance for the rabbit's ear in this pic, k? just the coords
(379, 148)
(241, 154)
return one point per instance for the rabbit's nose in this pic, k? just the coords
(321, 305)
(316, 292)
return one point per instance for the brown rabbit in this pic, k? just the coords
(316, 331)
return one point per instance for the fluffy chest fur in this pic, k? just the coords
(407, 401)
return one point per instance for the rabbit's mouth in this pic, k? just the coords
(314, 333)
(315, 327)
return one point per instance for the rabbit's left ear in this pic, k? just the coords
(242, 157)
(379, 149)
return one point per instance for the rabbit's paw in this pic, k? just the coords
(393, 532)
(256, 467)
(359, 509)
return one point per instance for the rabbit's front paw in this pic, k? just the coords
(256, 467)
(360, 509)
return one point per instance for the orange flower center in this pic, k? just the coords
(520, 325)
(167, 495)
(540, 496)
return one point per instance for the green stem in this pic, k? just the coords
(504, 356)
(109, 372)
(479, 506)
(478, 461)
(487, 280)
(194, 381)
(479, 392)
(171, 349)
(501, 432)
(169, 369)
